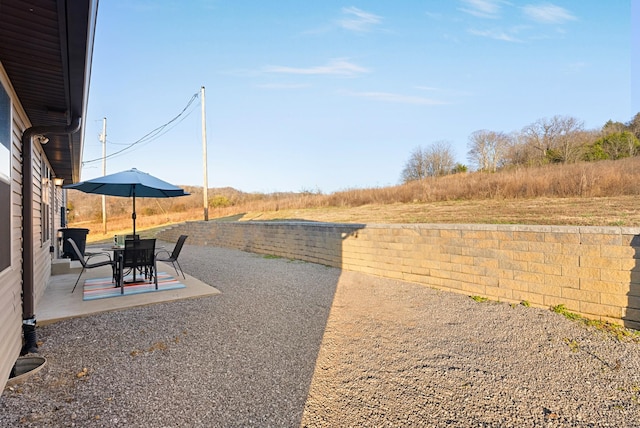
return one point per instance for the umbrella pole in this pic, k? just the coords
(133, 217)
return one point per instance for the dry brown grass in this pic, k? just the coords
(595, 194)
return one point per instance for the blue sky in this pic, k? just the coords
(334, 95)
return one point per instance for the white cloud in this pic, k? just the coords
(548, 13)
(396, 98)
(482, 8)
(358, 20)
(495, 34)
(336, 67)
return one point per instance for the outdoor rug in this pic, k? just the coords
(101, 288)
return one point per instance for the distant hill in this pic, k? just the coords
(88, 207)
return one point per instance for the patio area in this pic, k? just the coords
(59, 303)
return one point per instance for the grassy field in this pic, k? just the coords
(612, 211)
(589, 194)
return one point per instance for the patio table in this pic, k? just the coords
(118, 256)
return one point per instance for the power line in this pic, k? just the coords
(140, 143)
(152, 135)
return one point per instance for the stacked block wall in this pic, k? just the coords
(591, 270)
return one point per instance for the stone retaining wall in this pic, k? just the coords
(591, 270)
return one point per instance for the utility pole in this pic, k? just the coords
(205, 187)
(103, 138)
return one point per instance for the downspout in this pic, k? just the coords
(28, 294)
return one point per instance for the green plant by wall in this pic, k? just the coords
(617, 331)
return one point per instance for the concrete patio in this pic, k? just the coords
(59, 303)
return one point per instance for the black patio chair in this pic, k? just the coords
(139, 255)
(85, 262)
(173, 256)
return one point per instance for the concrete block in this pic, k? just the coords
(60, 266)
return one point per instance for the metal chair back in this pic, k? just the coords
(138, 253)
(79, 254)
(86, 265)
(178, 247)
(173, 257)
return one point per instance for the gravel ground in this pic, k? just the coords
(292, 344)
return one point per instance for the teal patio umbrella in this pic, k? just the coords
(130, 183)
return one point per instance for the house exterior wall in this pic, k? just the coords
(11, 277)
(593, 271)
(42, 239)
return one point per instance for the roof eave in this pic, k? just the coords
(46, 48)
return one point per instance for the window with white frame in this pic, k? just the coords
(5, 179)
(45, 201)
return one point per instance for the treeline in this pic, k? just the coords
(548, 158)
(556, 140)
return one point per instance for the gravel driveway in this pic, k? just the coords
(290, 343)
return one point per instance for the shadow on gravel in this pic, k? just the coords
(268, 327)
(264, 332)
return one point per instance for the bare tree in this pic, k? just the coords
(554, 139)
(439, 159)
(518, 153)
(568, 141)
(415, 168)
(539, 135)
(487, 149)
(433, 161)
